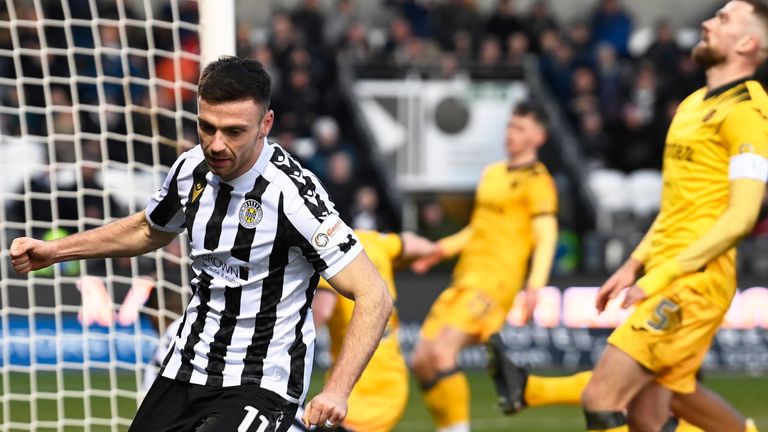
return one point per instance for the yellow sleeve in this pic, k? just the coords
(735, 222)
(454, 243)
(542, 195)
(545, 244)
(744, 133)
(745, 130)
(324, 285)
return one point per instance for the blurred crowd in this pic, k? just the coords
(618, 95)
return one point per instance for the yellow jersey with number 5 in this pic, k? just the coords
(708, 143)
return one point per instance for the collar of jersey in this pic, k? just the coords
(528, 165)
(725, 87)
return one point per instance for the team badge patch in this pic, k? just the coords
(250, 214)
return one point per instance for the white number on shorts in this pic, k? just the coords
(250, 416)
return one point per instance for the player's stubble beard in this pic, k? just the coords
(706, 57)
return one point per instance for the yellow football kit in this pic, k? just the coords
(718, 140)
(495, 249)
(379, 397)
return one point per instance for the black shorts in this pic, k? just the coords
(172, 405)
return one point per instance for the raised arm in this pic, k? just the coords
(447, 247)
(361, 282)
(734, 223)
(126, 237)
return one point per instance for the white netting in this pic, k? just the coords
(94, 97)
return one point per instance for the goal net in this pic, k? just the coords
(95, 98)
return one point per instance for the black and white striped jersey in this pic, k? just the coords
(258, 243)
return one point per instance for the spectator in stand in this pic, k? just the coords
(452, 16)
(518, 47)
(301, 98)
(595, 141)
(579, 36)
(282, 40)
(490, 61)
(449, 68)
(365, 210)
(610, 74)
(557, 66)
(584, 93)
(504, 20)
(308, 18)
(328, 142)
(354, 49)
(338, 21)
(664, 53)
(341, 183)
(611, 23)
(463, 48)
(540, 20)
(263, 55)
(397, 40)
(418, 13)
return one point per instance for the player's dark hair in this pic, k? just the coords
(532, 109)
(231, 79)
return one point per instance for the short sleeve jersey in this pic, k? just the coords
(496, 257)
(259, 244)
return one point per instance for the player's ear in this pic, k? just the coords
(266, 123)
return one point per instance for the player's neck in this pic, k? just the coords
(724, 73)
(523, 159)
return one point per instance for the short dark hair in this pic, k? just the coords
(231, 79)
(529, 108)
(760, 8)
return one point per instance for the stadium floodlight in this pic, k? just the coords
(94, 98)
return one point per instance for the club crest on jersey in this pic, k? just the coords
(250, 214)
(331, 233)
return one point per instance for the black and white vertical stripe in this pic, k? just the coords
(249, 320)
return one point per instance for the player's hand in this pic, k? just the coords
(531, 299)
(634, 295)
(326, 410)
(624, 277)
(423, 264)
(29, 254)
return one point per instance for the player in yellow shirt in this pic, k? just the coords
(715, 168)
(513, 223)
(379, 397)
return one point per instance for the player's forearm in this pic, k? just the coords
(454, 243)
(545, 237)
(369, 318)
(129, 236)
(734, 223)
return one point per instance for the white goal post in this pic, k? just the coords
(95, 95)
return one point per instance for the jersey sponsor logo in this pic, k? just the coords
(679, 152)
(197, 191)
(332, 232)
(250, 214)
(216, 266)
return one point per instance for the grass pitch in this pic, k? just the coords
(102, 402)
